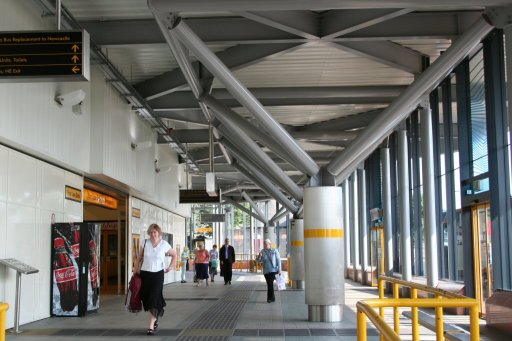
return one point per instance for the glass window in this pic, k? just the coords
(478, 121)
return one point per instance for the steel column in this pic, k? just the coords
(297, 276)
(322, 233)
(354, 230)
(429, 209)
(387, 212)
(363, 222)
(343, 165)
(405, 221)
(346, 223)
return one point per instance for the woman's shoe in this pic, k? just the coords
(150, 332)
(155, 325)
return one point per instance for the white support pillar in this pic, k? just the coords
(386, 212)
(363, 223)
(346, 223)
(429, 208)
(323, 253)
(297, 275)
(405, 221)
(354, 231)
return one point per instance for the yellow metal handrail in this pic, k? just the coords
(443, 299)
(3, 310)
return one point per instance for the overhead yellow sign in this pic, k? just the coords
(99, 199)
(207, 229)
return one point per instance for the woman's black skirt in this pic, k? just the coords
(202, 270)
(152, 292)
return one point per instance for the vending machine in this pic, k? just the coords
(75, 266)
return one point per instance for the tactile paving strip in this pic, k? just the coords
(217, 323)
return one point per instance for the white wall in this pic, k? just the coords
(31, 193)
(33, 127)
(169, 222)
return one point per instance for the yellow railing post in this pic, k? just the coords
(382, 284)
(361, 326)
(396, 315)
(414, 315)
(474, 323)
(3, 310)
(439, 322)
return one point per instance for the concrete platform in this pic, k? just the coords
(218, 312)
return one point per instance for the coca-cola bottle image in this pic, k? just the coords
(65, 276)
(94, 271)
(75, 242)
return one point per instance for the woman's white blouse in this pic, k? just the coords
(154, 257)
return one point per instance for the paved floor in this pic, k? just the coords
(219, 312)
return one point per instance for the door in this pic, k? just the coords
(376, 253)
(109, 261)
(482, 260)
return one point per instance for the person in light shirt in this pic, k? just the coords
(271, 261)
(151, 266)
(183, 264)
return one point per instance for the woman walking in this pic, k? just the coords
(271, 261)
(151, 266)
(201, 263)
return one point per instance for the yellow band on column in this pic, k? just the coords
(298, 243)
(323, 233)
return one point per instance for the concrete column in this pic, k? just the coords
(386, 212)
(429, 208)
(346, 223)
(405, 221)
(363, 223)
(354, 226)
(323, 253)
(297, 254)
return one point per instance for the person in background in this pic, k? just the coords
(271, 262)
(183, 264)
(227, 258)
(150, 264)
(214, 261)
(201, 263)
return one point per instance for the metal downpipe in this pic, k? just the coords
(345, 163)
(244, 96)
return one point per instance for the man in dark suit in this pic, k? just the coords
(227, 258)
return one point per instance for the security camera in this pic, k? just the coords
(72, 98)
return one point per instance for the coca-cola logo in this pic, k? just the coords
(75, 249)
(94, 273)
(65, 274)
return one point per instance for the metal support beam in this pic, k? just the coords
(255, 207)
(233, 133)
(279, 214)
(244, 209)
(287, 5)
(259, 179)
(240, 92)
(387, 212)
(363, 222)
(367, 141)
(248, 128)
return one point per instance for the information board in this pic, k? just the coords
(46, 55)
(190, 196)
(212, 218)
(18, 266)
